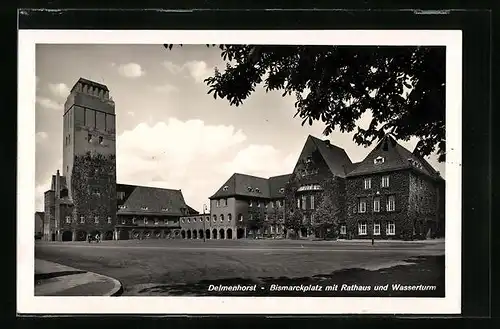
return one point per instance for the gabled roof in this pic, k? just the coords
(252, 186)
(335, 157)
(152, 200)
(395, 157)
(276, 183)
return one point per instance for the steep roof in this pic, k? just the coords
(335, 157)
(155, 200)
(395, 157)
(252, 186)
(276, 183)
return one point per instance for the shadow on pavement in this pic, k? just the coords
(423, 270)
(45, 276)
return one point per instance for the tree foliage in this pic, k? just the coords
(327, 216)
(402, 87)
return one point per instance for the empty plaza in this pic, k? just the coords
(180, 267)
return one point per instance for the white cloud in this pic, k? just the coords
(131, 113)
(40, 192)
(262, 160)
(131, 70)
(59, 89)
(49, 103)
(41, 136)
(187, 156)
(166, 88)
(198, 70)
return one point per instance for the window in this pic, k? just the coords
(272, 229)
(89, 138)
(258, 204)
(82, 219)
(229, 217)
(362, 228)
(96, 219)
(282, 190)
(109, 220)
(265, 204)
(376, 229)
(68, 219)
(165, 222)
(304, 202)
(207, 219)
(144, 208)
(120, 195)
(368, 183)
(123, 221)
(376, 204)
(271, 204)
(240, 217)
(385, 181)
(122, 206)
(100, 139)
(133, 220)
(224, 202)
(257, 190)
(157, 222)
(278, 203)
(378, 160)
(362, 205)
(298, 203)
(145, 220)
(250, 217)
(266, 218)
(225, 188)
(249, 189)
(214, 218)
(343, 229)
(391, 203)
(182, 220)
(391, 228)
(250, 203)
(312, 201)
(221, 218)
(188, 220)
(164, 209)
(217, 203)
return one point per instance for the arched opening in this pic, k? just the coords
(195, 234)
(207, 234)
(123, 235)
(303, 232)
(240, 233)
(183, 234)
(200, 234)
(136, 235)
(221, 233)
(214, 234)
(189, 234)
(147, 234)
(229, 233)
(67, 236)
(81, 236)
(108, 235)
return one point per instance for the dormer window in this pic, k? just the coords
(257, 190)
(164, 209)
(282, 190)
(379, 160)
(250, 189)
(100, 139)
(225, 188)
(144, 208)
(89, 138)
(122, 206)
(309, 160)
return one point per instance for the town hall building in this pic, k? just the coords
(392, 194)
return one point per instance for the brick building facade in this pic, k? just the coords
(391, 194)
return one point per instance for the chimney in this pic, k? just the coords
(58, 184)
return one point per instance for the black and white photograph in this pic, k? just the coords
(243, 171)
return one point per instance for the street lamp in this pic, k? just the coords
(204, 229)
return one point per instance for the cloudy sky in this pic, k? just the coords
(170, 133)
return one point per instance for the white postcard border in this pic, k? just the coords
(27, 303)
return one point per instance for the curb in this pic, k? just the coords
(117, 289)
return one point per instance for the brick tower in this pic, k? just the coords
(89, 159)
